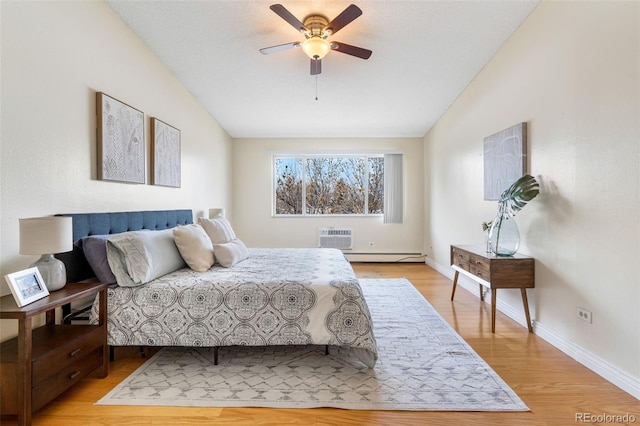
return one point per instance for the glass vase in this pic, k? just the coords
(504, 236)
(487, 245)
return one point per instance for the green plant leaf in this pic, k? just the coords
(514, 198)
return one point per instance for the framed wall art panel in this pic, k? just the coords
(121, 144)
(505, 159)
(165, 154)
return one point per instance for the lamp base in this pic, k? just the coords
(52, 270)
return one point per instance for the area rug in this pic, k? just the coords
(423, 365)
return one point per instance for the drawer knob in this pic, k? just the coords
(74, 375)
(75, 352)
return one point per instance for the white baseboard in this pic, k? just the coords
(620, 378)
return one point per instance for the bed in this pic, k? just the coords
(275, 296)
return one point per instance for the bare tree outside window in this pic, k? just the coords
(334, 185)
(376, 185)
(288, 174)
(314, 185)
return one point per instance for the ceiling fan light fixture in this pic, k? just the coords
(316, 47)
(316, 29)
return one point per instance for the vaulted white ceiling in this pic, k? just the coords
(424, 54)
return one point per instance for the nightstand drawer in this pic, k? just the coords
(69, 375)
(78, 344)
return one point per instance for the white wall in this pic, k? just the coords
(253, 192)
(55, 56)
(571, 71)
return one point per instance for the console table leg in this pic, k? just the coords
(526, 309)
(455, 283)
(481, 292)
(493, 309)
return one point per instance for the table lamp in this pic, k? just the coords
(47, 236)
(215, 212)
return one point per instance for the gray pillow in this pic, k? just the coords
(94, 248)
(138, 257)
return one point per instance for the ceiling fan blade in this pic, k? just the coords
(282, 12)
(351, 50)
(279, 48)
(342, 20)
(316, 66)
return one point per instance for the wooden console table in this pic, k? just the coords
(493, 272)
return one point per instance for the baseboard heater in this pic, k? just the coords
(386, 257)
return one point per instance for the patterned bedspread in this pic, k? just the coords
(275, 297)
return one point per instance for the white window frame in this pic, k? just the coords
(304, 157)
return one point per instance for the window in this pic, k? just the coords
(329, 185)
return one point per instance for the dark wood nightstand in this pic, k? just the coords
(494, 272)
(40, 364)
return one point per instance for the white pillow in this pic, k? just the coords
(230, 253)
(138, 257)
(194, 246)
(219, 229)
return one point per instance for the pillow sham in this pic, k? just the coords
(228, 254)
(194, 246)
(138, 257)
(219, 229)
(94, 248)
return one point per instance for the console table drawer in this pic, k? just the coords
(481, 264)
(480, 273)
(460, 258)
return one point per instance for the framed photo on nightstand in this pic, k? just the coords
(27, 286)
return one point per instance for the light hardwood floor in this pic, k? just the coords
(555, 387)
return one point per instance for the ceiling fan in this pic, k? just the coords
(316, 29)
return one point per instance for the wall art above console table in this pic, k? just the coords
(493, 272)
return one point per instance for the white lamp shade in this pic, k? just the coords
(215, 212)
(46, 235)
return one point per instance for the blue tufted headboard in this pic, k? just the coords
(85, 224)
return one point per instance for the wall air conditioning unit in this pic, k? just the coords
(340, 238)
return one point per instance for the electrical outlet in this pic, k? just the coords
(584, 314)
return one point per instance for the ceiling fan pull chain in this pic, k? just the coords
(316, 87)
